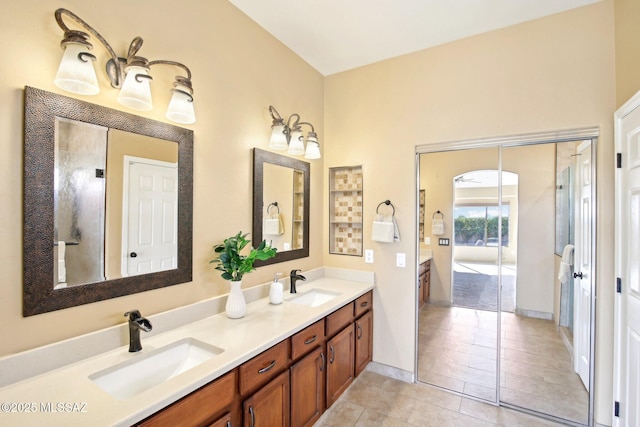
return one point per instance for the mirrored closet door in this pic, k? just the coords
(509, 315)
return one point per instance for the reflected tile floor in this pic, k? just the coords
(376, 400)
(457, 349)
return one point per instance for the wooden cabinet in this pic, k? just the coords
(340, 363)
(364, 341)
(307, 339)
(308, 389)
(269, 406)
(203, 407)
(263, 367)
(289, 384)
(424, 282)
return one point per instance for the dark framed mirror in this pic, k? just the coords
(51, 252)
(281, 187)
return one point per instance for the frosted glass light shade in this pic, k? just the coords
(76, 75)
(136, 94)
(180, 108)
(313, 149)
(278, 138)
(296, 145)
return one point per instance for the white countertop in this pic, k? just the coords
(425, 255)
(83, 403)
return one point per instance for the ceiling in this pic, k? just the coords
(339, 35)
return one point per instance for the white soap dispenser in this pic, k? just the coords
(276, 291)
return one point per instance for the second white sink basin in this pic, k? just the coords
(314, 297)
(133, 376)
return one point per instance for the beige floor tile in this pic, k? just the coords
(341, 414)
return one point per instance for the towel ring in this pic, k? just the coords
(388, 203)
(437, 213)
(273, 204)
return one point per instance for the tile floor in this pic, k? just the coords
(457, 348)
(374, 400)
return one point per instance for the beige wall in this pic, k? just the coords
(627, 34)
(238, 71)
(550, 74)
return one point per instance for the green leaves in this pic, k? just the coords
(230, 260)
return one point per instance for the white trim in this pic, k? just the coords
(512, 140)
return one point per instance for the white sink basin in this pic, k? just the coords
(314, 297)
(134, 376)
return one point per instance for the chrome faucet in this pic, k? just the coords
(136, 322)
(293, 278)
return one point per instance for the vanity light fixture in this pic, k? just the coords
(289, 136)
(131, 74)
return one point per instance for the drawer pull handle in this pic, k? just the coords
(253, 416)
(268, 367)
(359, 331)
(310, 340)
(323, 362)
(229, 424)
(364, 304)
(333, 354)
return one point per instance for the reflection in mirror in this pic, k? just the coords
(505, 258)
(281, 204)
(103, 214)
(91, 175)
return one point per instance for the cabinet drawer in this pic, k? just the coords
(263, 367)
(364, 303)
(200, 406)
(339, 319)
(424, 267)
(307, 339)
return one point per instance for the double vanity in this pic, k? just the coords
(216, 370)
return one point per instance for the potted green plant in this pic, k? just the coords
(234, 265)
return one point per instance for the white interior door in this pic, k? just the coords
(582, 264)
(151, 207)
(627, 346)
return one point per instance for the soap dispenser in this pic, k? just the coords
(276, 291)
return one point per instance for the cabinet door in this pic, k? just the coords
(421, 290)
(307, 389)
(269, 406)
(224, 421)
(364, 341)
(340, 365)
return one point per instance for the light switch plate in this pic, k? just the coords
(368, 256)
(401, 260)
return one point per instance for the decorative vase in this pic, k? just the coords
(236, 306)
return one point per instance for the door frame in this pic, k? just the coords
(627, 108)
(589, 133)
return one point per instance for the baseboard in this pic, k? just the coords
(535, 314)
(391, 372)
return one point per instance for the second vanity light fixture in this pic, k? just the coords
(131, 74)
(288, 136)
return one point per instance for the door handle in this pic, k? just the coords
(576, 275)
(133, 254)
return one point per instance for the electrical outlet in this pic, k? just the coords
(368, 256)
(287, 246)
(427, 240)
(401, 260)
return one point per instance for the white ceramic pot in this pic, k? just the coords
(236, 306)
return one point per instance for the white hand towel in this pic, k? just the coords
(271, 226)
(437, 227)
(62, 268)
(396, 231)
(564, 273)
(383, 229)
